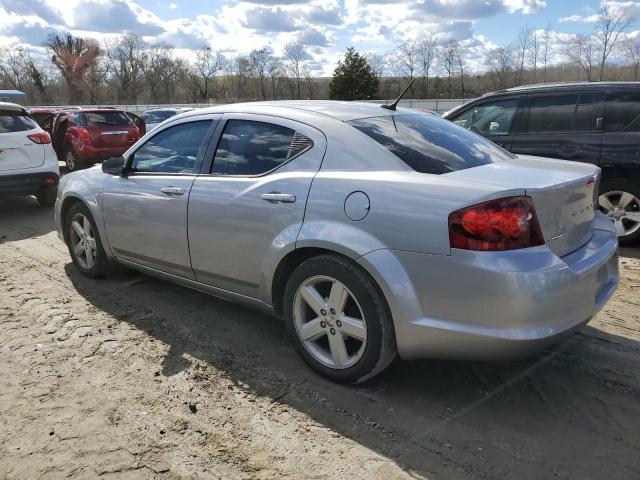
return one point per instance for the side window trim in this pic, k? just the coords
(481, 103)
(207, 165)
(215, 122)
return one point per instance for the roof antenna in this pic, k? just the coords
(393, 105)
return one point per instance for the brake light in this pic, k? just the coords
(503, 224)
(84, 135)
(40, 138)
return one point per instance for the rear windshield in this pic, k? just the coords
(12, 121)
(157, 117)
(429, 144)
(106, 118)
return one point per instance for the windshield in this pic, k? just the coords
(429, 144)
(12, 121)
(107, 118)
(158, 116)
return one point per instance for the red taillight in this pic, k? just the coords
(84, 135)
(503, 224)
(39, 138)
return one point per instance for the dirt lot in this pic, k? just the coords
(134, 377)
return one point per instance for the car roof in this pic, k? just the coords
(543, 87)
(11, 106)
(344, 111)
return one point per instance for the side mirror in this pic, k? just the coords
(114, 166)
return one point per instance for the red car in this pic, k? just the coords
(82, 136)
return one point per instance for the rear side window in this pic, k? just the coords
(248, 147)
(490, 118)
(106, 118)
(621, 112)
(12, 121)
(174, 150)
(429, 144)
(561, 113)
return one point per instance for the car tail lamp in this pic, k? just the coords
(84, 135)
(502, 224)
(40, 138)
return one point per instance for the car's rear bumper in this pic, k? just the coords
(494, 305)
(27, 183)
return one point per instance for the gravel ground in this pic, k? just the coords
(133, 377)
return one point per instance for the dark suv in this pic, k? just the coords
(596, 122)
(84, 136)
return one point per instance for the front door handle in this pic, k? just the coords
(172, 190)
(278, 197)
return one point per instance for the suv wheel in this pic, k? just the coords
(71, 160)
(84, 242)
(338, 320)
(47, 196)
(620, 200)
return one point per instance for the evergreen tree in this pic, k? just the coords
(353, 78)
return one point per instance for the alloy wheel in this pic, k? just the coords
(623, 208)
(70, 160)
(83, 241)
(329, 322)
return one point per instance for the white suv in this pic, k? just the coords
(28, 163)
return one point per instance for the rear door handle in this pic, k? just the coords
(172, 190)
(278, 197)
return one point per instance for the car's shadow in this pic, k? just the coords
(538, 418)
(14, 211)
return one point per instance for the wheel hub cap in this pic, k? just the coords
(624, 209)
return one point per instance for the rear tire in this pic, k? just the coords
(83, 240)
(354, 349)
(47, 196)
(71, 160)
(620, 200)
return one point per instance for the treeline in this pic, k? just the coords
(127, 70)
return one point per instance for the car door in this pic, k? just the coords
(145, 210)
(251, 201)
(495, 119)
(620, 155)
(564, 125)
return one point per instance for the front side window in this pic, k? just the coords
(12, 121)
(174, 150)
(491, 118)
(248, 147)
(429, 144)
(622, 112)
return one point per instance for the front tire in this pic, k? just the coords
(620, 200)
(338, 319)
(83, 241)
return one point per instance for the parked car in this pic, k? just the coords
(84, 136)
(156, 116)
(591, 122)
(28, 164)
(371, 231)
(138, 121)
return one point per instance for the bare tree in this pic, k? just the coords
(546, 46)
(500, 63)
(95, 81)
(259, 60)
(523, 42)
(275, 70)
(447, 60)
(73, 56)
(295, 53)
(378, 64)
(632, 53)
(582, 52)
(203, 73)
(408, 58)
(534, 53)
(611, 23)
(126, 57)
(426, 50)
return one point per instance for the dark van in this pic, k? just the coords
(596, 122)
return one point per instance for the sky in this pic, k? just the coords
(325, 27)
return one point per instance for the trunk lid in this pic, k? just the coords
(563, 194)
(111, 129)
(18, 152)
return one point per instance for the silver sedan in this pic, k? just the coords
(371, 231)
